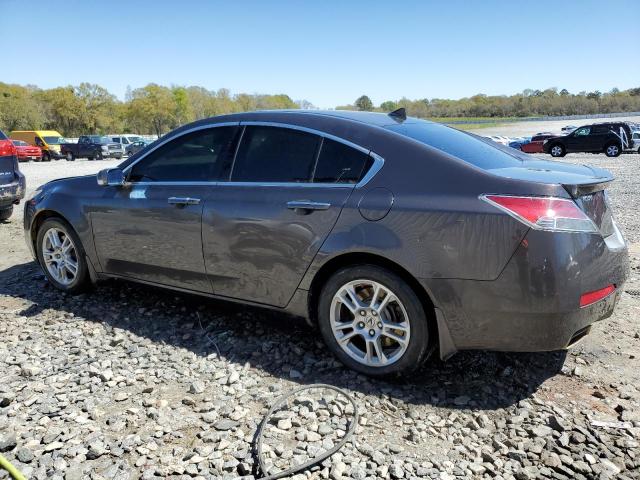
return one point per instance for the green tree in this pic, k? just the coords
(364, 104)
(388, 106)
(19, 109)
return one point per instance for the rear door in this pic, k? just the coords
(262, 229)
(151, 229)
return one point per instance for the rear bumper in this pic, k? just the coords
(12, 193)
(534, 305)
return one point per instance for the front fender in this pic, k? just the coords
(69, 200)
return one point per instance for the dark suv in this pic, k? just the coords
(395, 236)
(612, 138)
(12, 182)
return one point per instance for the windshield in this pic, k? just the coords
(134, 138)
(53, 140)
(472, 149)
(19, 143)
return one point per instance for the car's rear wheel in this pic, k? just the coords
(46, 157)
(373, 321)
(62, 256)
(6, 213)
(612, 150)
(557, 150)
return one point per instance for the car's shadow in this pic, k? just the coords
(482, 380)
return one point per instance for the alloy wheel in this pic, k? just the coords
(60, 256)
(556, 151)
(370, 323)
(612, 150)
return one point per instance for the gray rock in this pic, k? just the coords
(225, 424)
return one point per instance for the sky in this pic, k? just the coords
(327, 52)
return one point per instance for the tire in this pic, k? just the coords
(72, 284)
(70, 157)
(6, 213)
(97, 156)
(612, 150)
(557, 150)
(367, 337)
(46, 157)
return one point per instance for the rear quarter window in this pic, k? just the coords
(483, 154)
(2, 135)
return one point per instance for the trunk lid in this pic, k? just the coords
(584, 183)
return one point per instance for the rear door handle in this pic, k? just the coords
(183, 201)
(307, 205)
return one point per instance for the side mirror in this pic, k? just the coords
(112, 177)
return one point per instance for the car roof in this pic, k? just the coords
(369, 118)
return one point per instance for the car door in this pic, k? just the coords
(262, 229)
(151, 229)
(578, 141)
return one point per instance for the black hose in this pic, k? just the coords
(315, 460)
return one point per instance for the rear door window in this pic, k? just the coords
(274, 154)
(200, 156)
(466, 147)
(339, 163)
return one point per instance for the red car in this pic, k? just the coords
(27, 152)
(535, 145)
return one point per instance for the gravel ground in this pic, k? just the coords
(134, 382)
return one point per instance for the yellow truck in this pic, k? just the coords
(48, 140)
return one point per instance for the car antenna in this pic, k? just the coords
(399, 115)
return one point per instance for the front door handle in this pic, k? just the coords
(183, 201)
(306, 206)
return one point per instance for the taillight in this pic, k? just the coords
(7, 148)
(544, 213)
(590, 298)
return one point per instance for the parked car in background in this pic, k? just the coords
(636, 141)
(518, 142)
(499, 139)
(93, 147)
(48, 141)
(125, 139)
(395, 236)
(568, 128)
(12, 181)
(135, 147)
(536, 143)
(27, 152)
(610, 138)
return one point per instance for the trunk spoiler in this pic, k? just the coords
(580, 189)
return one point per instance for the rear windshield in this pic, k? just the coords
(484, 154)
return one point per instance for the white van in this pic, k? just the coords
(125, 139)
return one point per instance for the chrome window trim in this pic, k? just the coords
(378, 161)
(175, 137)
(308, 130)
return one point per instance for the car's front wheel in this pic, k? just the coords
(612, 150)
(61, 256)
(46, 157)
(70, 157)
(557, 150)
(373, 321)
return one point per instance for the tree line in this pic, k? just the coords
(156, 109)
(153, 109)
(529, 103)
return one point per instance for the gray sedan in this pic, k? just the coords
(395, 237)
